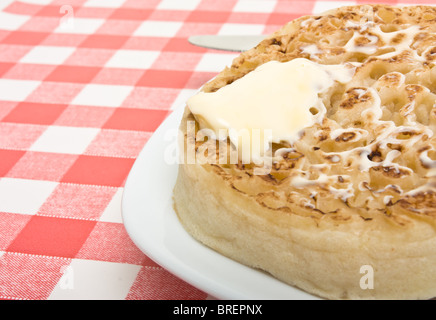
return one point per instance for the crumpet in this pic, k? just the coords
(347, 209)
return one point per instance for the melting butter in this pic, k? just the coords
(404, 42)
(279, 97)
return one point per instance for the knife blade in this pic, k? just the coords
(237, 43)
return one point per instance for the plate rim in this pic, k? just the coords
(212, 287)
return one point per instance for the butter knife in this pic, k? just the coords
(237, 43)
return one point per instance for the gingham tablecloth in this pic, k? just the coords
(83, 85)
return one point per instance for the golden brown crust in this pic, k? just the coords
(369, 169)
(331, 32)
(406, 98)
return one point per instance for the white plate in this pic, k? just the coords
(152, 224)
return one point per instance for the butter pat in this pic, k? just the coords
(280, 97)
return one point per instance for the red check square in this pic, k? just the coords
(25, 38)
(169, 15)
(165, 79)
(90, 57)
(151, 98)
(131, 14)
(11, 224)
(92, 13)
(391, 2)
(8, 158)
(5, 66)
(103, 171)
(13, 53)
(291, 7)
(119, 27)
(135, 119)
(49, 236)
(64, 40)
(222, 5)
(84, 116)
(29, 71)
(27, 9)
(118, 76)
(141, 4)
(104, 41)
(52, 11)
(116, 143)
(44, 166)
(175, 288)
(198, 79)
(182, 45)
(6, 107)
(3, 34)
(248, 18)
(30, 277)
(74, 74)
(19, 136)
(77, 201)
(110, 242)
(58, 92)
(36, 113)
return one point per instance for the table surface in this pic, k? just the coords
(83, 86)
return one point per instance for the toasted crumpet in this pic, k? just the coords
(356, 190)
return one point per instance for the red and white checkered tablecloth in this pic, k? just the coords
(83, 85)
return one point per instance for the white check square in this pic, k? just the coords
(158, 29)
(10, 21)
(112, 213)
(239, 28)
(68, 140)
(99, 95)
(132, 59)
(24, 196)
(75, 25)
(215, 62)
(262, 6)
(178, 4)
(47, 55)
(98, 280)
(6, 3)
(16, 90)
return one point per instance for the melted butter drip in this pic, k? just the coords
(387, 38)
